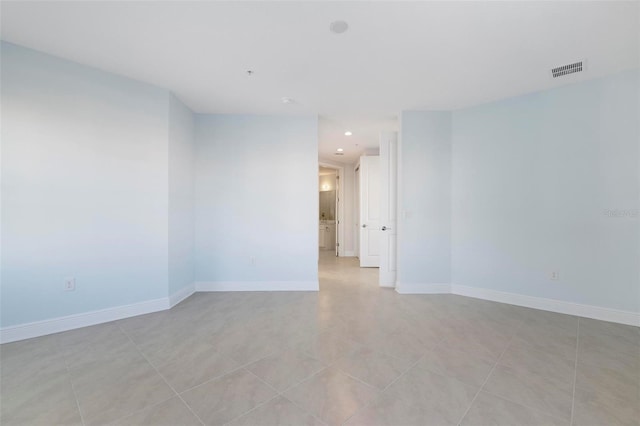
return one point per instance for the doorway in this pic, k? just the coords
(376, 177)
(330, 209)
(370, 224)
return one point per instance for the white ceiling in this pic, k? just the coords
(365, 135)
(395, 55)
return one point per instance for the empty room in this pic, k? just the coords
(401, 213)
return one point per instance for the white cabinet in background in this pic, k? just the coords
(327, 234)
(321, 236)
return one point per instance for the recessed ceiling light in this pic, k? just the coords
(286, 100)
(340, 150)
(348, 133)
(338, 27)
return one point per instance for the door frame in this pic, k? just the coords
(388, 208)
(340, 212)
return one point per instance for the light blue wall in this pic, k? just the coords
(181, 195)
(98, 184)
(84, 188)
(532, 178)
(256, 197)
(424, 235)
(97, 173)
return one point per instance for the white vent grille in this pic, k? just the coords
(338, 153)
(568, 69)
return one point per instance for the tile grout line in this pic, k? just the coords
(158, 373)
(325, 367)
(219, 376)
(368, 404)
(335, 362)
(358, 379)
(575, 373)
(226, 373)
(304, 380)
(306, 410)
(139, 410)
(278, 394)
(526, 406)
(263, 403)
(240, 367)
(506, 398)
(490, 373)
(322, 422)
(73, 389)
(216, 377)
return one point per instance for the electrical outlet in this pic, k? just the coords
(69, 284)
(252, 259)
(554, 276)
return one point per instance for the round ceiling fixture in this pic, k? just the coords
(340, 150)
(348, 133)
(286, 100)
(338, 27)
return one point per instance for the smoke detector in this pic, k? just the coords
(567, 69)
(338, 27)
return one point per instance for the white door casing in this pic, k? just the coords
(388, 208)
(356, 190)
(370, 211)
(336, 239)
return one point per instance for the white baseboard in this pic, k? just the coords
(553, 305)
(349, 254)
(423, 288)
(257, 286)
(70, 322)
(181, 294)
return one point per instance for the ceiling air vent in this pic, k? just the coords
(569, 69)
(338, 153)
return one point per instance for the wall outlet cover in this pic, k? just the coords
(69, 284)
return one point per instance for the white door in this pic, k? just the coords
(388, 208)
(370, 211)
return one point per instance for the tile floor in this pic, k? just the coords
(351, 354)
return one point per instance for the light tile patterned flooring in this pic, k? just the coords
(351, 354)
